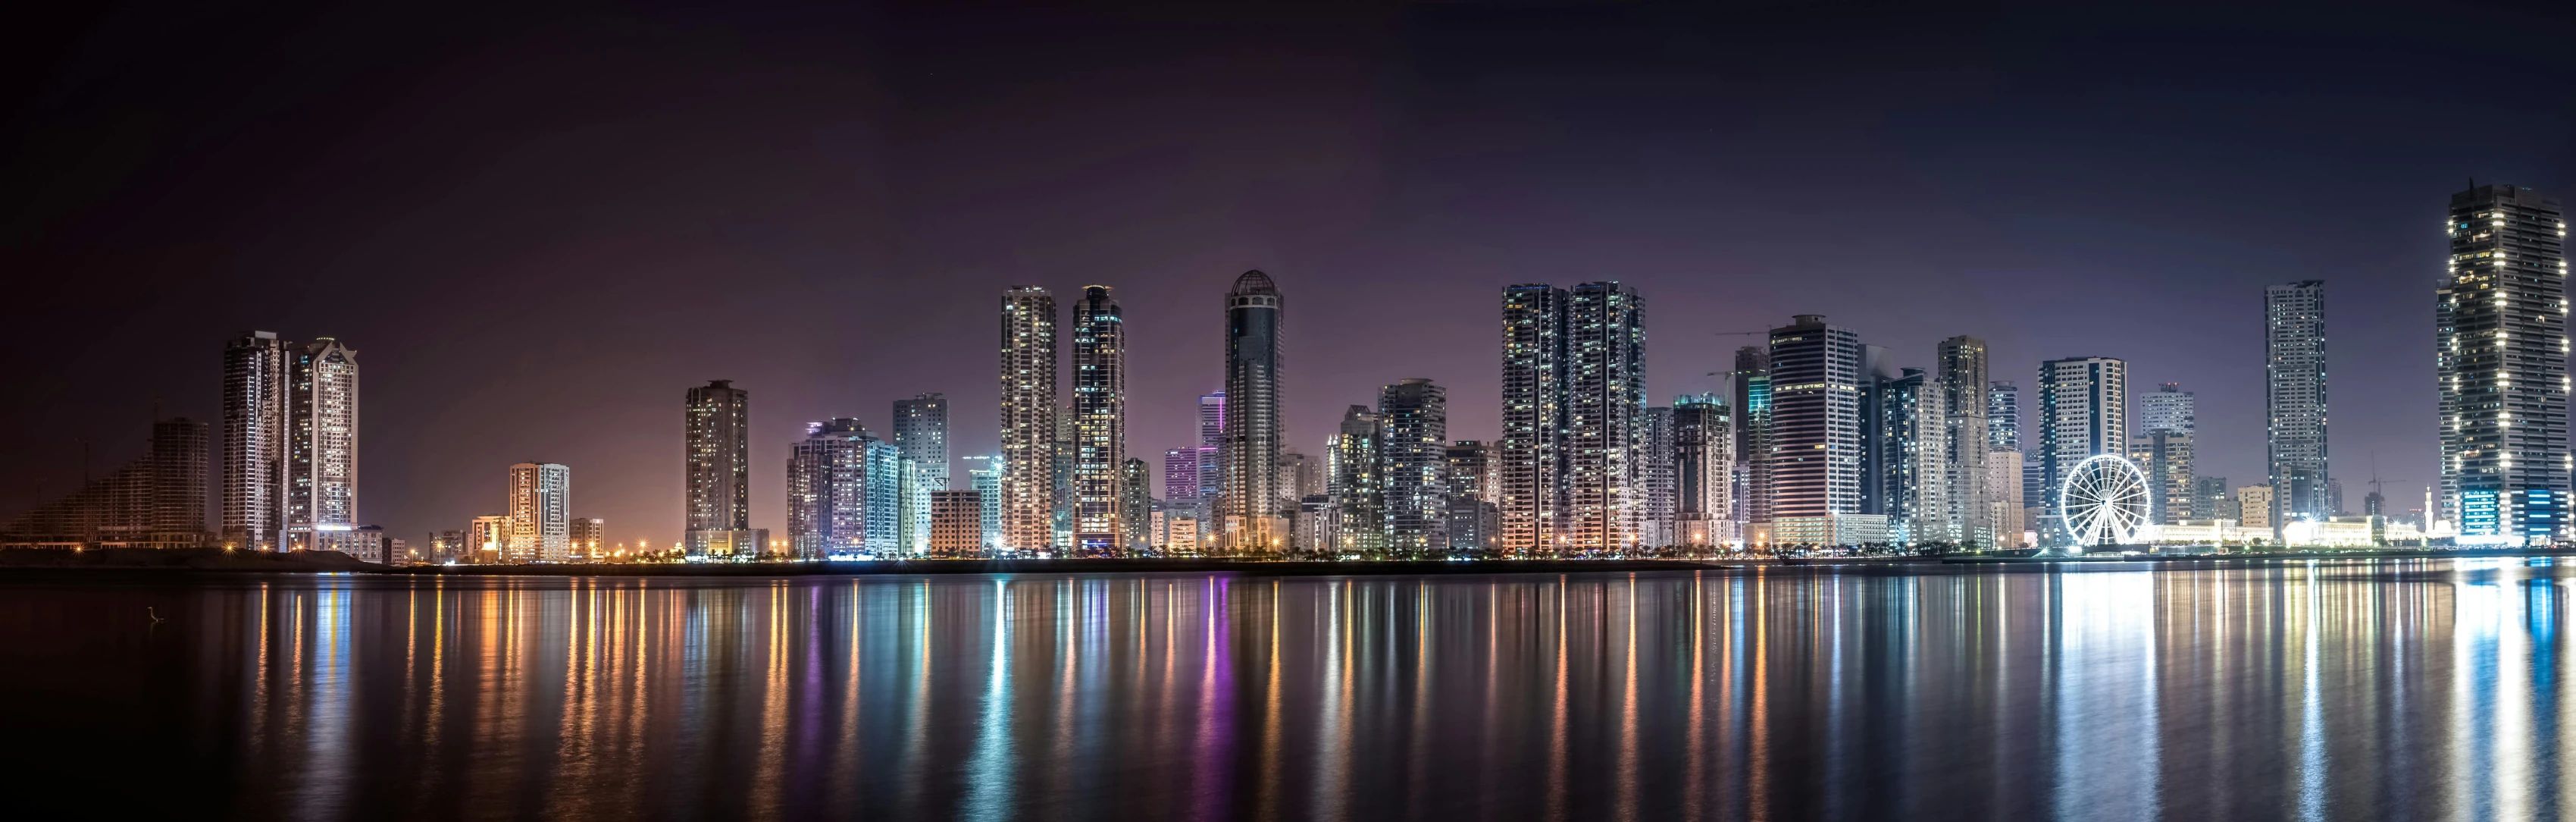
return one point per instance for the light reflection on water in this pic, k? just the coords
(2426, 689)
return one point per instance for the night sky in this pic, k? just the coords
(539, 229)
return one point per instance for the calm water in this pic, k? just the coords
(2403, 690)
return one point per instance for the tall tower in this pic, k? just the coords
(1963, 381)
(2500, 362)
(1817, 448)
(1605, 410)
(1413, 458)
(1913, 471)
(1210, 459)
(254, 446)
(321, 444)
(718, 464)
(2294, 397)
(540, 513)
(1135, 504)
(1028, 419)
(1752, 384)
(2083, 411)
(2003, 416)
(1358, 489)
(1247, 523)
(1100, 423)
(1703, 472)
(921, 441)
(1656, 492)
(1530, 457)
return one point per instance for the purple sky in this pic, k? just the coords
(540, 229)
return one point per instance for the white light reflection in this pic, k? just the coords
(990, 778)
(2105, 678)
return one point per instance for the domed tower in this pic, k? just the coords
(1249, 501)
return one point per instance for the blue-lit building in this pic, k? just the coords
(2500, 361)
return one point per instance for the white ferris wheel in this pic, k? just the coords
(2105, 500)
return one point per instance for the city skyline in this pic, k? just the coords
(1389, 220)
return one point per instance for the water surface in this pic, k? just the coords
(2417, 689)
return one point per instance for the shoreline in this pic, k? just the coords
(1081, 566)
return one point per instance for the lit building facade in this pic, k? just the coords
(1964, 396)
(1752, 386)
(845, 492)
(2294, 397)
(1656, 482)
(717, 461)
(2165, 455)
(1473, 518)
(1413, 452)
(321, 444)
(1028, 419)
(1703, 467)
(984, 475)
(1354, 460)
(2168, 408)
(1135, 504)
(1530, 456)
(1100, 424)
(1913, 477)
(956, 524)
(2501, 368)
(1817, 448)
(2083, 411)
(589, 538)
(254, 441)
(1605, 417)
(540, 513)
(1247, 518)
(921, 439)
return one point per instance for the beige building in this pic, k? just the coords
(589, 538)
(2254, 507)
(956, 523)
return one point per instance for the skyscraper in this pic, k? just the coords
(321, 444)
(984, 475)
(717, 460)
(1657, 490)
(540, 513)
(845, 492)
(1247, 520)
(1413, 456)
(1100, 423)
(2294, 397)
(1605, 410)
(2083, 411)
(1752, 384)
(2166, 457)
(1135, 504)
(1211, 457)
(1181, 481)
(2169, 408)
(1530, 456)
(1913, 475)
(1028, 419)
(1703, 465)
(1473, 517)
(2500, 362)
(921, 440)
(254, 445)
(1358, 489)
(1962, 374)
(1816, 443)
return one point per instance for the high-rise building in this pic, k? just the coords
(1605, 411)
(1413, 452)
(254, 445)
(2165, 455)
(1099, 423)
(1816, 437)
(2006, 513)
(1912, 439)
(1181, 479)
(485, 539)
(2003, 416)
(984, 474)
(1530, 454)
(1028, 419)
(1473, 486)
(1211, 455)
(321, 444)
(2294, 397)
(2500, 359)
(2169, 408)
(1964, 398)
(1060, 517)
(1358, 489)
(158, 500)
(1752, 385)
(1135, 504)
(956, 524)
(845, 492)
(921, 439)
(2083, 411)
(589, 538)
(540, 513)
(1247, 519)
(1703, 467)
(1470, 469)
(1656, 482)
(717, 459)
